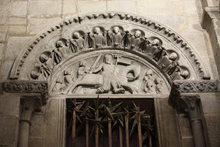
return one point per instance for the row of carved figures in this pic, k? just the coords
(116, 37)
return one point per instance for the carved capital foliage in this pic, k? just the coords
(27, 87)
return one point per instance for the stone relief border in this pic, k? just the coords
(181, 89)
(148, 23)
(194, 86)
(26, 87)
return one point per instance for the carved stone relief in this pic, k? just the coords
(108, 73)
(115, 38)
(111, 30)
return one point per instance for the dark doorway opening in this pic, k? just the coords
(110, 123)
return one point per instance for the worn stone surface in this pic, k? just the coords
(37, 25)
(9, 130)
(18, 8)
(24, 20)
(169, 136)
(212, 121)
(45, 8)
(13, 105)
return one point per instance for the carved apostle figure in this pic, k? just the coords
(47, 60)
(62, 48)
(168, 62)
(135, 39)
(110, 77)
(77, 43)
(98, 38)
(155, 49)
(180, 74)
(116, 37)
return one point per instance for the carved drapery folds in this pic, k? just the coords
(100, 31)
(115, 38)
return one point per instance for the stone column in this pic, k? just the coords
(195, 117)
(32, 95)
(27, 106)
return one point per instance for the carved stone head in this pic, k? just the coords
(173, 56)
(185, 74)
(116, 29)
(157, 42)
(82, 64)
(97, 30)
(43, 58)
(137, 33)
(108, 59)
(76, 35)
(61, 43)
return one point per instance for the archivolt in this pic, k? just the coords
(109, 30)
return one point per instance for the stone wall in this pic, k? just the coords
(22, 20)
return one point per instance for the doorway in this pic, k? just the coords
(110, 123)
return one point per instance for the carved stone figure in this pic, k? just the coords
(62, 48)
(82, 70)
(149, 82)
(98, 38)
(159, 85)
(135, 39)
(112, 75)
(169, 63)
(116, 37)
(59, 86)
(47, 60)
(67, 78)
(77, 43)
(144, 46)
(150, 87)
(155, 49)
(110, 78)
(60, 51)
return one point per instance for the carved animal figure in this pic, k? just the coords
(119, 82)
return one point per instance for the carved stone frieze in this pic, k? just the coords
(115, 38)
(182, 89)
(108, 72)
(25, 87)
(147, 40)
(197, 86)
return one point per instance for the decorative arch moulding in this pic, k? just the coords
(131, 46)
